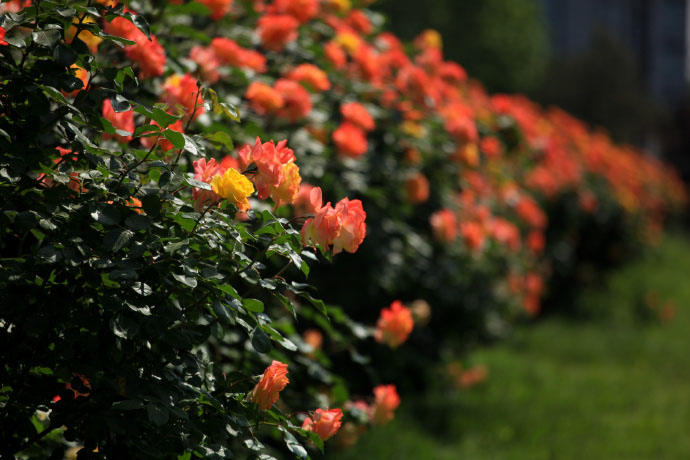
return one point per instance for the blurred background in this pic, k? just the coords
(620, 64)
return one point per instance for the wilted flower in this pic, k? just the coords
(325, 423)
(274, 380)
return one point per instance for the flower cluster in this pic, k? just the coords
(342, 226)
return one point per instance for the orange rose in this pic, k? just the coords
(181, 91)
(263, 99)
(444, 225)
(123, 121)
(316, 78)
(352, 226)
(417, 188)
(325, 423)
(324, 227)
(386, 401)
(297, 100)
(355, 113)
(277, 176)
(277, 30)
(274, 380)
(350, 140)
(219, 8)
(394, 325)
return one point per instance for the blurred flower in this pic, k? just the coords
(386, 401)
(277, 30)
(335, 55)
(417, 188)
(219, 8)
(313, 338)
(355, 113)
(350, 140)
(180, 93)
(491, 147)
(163, 143)
(274, 380)
(297, 102)
(302, 10)
(263, 99)
(207, 63)
(316, 78)
(394, 325)
(444, 225)
(472, 234)
(421, 311)
(120, 120)
(232, 54)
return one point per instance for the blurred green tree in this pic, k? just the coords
(503, 43)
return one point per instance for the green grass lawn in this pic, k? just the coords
(610, 385)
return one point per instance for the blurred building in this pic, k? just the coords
(655, 31)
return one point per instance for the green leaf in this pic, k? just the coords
(151, 204)
(158, 115)
(186, 280)
(198, 184)
(51, 254)
(260, 341)
(253, 305)
(221, 108)
(46, 38)
(66, 12)
(225, 314)
(128, 404)
(292, 444)
(120, 103)
(106, 215)
(190, 145)
(117, 239)
(64, 55)
(158, 414)
(142, 289)
(137, 222)
(176, 138)
(140, 22)
(222, 138)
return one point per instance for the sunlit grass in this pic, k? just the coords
(612, 385)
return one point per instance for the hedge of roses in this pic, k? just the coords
(182, 181)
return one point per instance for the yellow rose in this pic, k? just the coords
(234, 187)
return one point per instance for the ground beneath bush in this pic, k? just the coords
(611, 383)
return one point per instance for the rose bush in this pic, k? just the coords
(151, 270)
